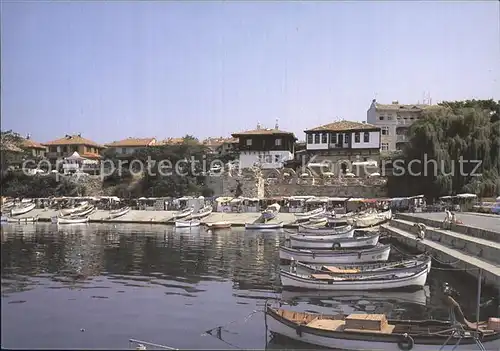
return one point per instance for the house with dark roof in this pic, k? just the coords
(265, 147)
(129, 146)
(349, 141)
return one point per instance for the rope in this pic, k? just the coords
(220, 327)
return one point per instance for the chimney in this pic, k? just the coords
(276, 126)
(258, 125)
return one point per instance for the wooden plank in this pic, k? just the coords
(387, 329)
(327, 324)
(334, 269)
(322, 276)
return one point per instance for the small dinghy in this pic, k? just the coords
(84, 212)
(264, 225)
(202, 213)
(187, 224)
(384, 280)
(184, 213)
(271, 212)
(332, 241)
(81, 207)
(72, 220)
(22, 220)
(22, 209)
(379, 253)
(301, 217)
(376, 332)
(218, 225)
(119, 212)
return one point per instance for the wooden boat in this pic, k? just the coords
(370, 219)
(184, 213)
(321, 220)
(418, 297)
(311, 230)
(25, 201)
(187, 224)
(332, 241)
(384, 280)
(369, 268)
(264, 225)
(82, 206)
(271, 212)
(337, 221)
(307, 215)
(84, 212)
(375, 332)
(22, 209)
(119, 212)
(22, 220)
(218, 225)
(72, 220)
(205, 211)
(379, 253)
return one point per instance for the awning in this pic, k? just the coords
(356, 199)
(338, 199)
(318, 200)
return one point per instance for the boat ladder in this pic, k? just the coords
(141, 345)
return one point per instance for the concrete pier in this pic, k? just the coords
(472, 246)
(167, 217)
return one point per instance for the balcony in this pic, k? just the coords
(401, 138)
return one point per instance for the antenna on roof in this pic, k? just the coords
(258, 125)
(276, 126)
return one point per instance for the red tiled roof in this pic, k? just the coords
(31, 144)
(263, 131)
(132, 142)
(342, 126)
(73, 140)
(91, 155)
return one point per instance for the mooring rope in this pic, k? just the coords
(220, 327)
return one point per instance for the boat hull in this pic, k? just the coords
(187, 224)
(119, 213)
(183, 214)
(219, 225)
(323, 230)
(384, 281)
(357, 342)
(332, 241)
(380, 253)
(73, 210)
(307, 215)
(22, 220)
(62, 220)
(264, 225)
(202, 214)
(16, 211)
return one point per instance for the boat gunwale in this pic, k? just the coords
(379, 248)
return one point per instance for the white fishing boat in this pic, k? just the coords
(119, 212)
(184, 213)
(271, 212)
(332, 241)
(84, 212)
(72, 220)
(379, 253)
(187, 224)
(361, 331)
(22, 209)
(218, 225)
(264, 225)
(394, 279)
(25, 201)
(204, 212)
(307, 215)
(346, 234)
(418, 297)
(318, 221)
(313, 230)
(370, 219)
(22, 219)
(81, 207)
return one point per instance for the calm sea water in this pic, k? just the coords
(97, 286)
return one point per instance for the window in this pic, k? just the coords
(277, 158)
(277, 142)
(389, 117)
(385, 130)
(309, 138)
(324, 138)
(316, 138)
(346, 138)
(381, 118)
(124, 150)
(333, 138)
(249, 142)
(357, 137)
(385, 146)
(366, 137)
(269, 159)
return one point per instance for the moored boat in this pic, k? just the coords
(83, 212)
(82, 206)
(337, 221)
(332, 241)
(119, 212)
(379, 253)
(264, 225)
(370, 219)
(72, 220)
(375, 332)
(318, 221)
(394, 279)
(22, 209)
(271, 212)
(187, 224)
(22, 219)
(219, 225)
(184, 213)
(204, 212)
(307, 215)
(317, 230)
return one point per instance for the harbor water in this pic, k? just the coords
(99, 285)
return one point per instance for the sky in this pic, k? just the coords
(117, 69)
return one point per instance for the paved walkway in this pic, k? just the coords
(469, 219)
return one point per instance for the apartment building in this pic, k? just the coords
(394, 121)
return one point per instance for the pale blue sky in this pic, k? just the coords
(115, 69)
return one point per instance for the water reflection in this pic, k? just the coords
(163, 285)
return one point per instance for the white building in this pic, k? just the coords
(76, 163)
(265, 147)
(394, 120)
